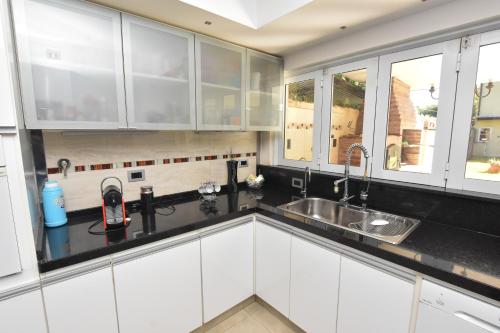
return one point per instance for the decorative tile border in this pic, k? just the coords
(132, 164)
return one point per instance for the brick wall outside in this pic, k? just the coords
(344, 143)
(401, 112)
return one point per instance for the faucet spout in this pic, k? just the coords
(348, 155)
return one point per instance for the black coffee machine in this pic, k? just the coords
(113, 205)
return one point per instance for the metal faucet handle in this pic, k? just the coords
(363, 195)
(345, 200)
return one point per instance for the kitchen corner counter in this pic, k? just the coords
(467, 259)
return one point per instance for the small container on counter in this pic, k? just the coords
(53, 204)
(147, 197)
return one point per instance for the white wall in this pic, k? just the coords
(15, 171)
(452, 16)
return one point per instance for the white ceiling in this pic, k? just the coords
(308, 24)
(252, 13)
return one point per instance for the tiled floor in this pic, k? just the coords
(254, 318)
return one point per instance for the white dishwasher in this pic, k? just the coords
(443, 310)
(9, 255)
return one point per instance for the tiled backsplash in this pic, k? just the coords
(173, 161)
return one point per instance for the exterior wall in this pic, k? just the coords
(490, 105)
(490, 149)
(299, 130)
(402, 112)
(345, 135)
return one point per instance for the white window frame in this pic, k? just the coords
(450, 51)
(478, 137)
(371, 66)
(463, 113)
(317, 76)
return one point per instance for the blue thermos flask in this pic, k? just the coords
(53, 204)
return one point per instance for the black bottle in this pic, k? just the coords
(147, 200)
(232, 176)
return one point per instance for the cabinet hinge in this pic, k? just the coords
(318, 159)
(446, 170)
(321, 82)
(459, 62)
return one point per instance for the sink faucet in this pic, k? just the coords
(307, 179)
(364, 193)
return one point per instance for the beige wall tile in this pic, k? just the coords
(82, 189)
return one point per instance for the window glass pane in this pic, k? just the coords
(299, 114)
(483, 155)
(412, 115)
(346, 127)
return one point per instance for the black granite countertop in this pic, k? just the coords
(467, 259)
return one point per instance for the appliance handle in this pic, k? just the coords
(477, 321)
(111, 177)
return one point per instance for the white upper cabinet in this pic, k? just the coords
(220, 85)
(227, 269)
(159, 75)
(70, 55)
(371, 300)
(264, 86)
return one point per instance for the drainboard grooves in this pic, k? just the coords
(393, 227)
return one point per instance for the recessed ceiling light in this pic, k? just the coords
(208, 22)
(343, 27)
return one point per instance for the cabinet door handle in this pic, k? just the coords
(477, 321)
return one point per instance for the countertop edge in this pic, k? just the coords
(448, 277)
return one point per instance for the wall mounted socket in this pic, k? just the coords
(136, 175)
(297, 182)
(243, 164)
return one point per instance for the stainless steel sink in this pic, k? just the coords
(386, 227)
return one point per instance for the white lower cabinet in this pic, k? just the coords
(314, 286)
(272, 266)
(160, 292)
(227, 266)
(371, 300)
(84, 303)
(23, 314)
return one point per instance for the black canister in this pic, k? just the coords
(147, 200)
(232, 176)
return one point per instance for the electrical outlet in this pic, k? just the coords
(243, 164)
(297, 182)
(136, 175)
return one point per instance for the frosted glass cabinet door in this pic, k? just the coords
(159, 75)
(264, 87)
(70, 55)
(220, 83)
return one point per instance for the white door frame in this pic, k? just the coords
(371, 66)
(463, 114)
(450, 51)
(317, 76)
